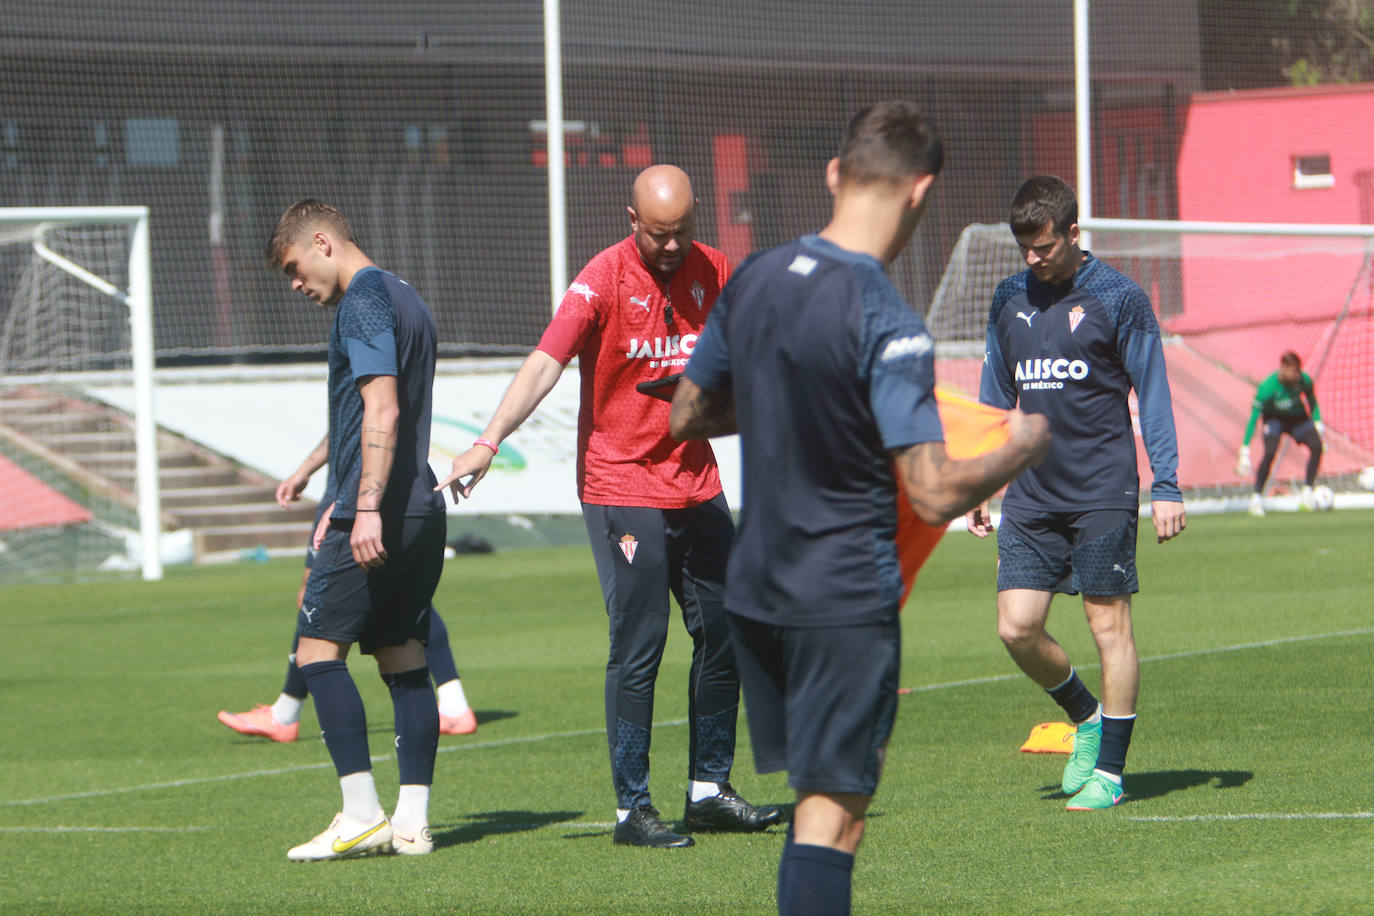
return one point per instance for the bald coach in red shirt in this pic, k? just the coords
(655, 514)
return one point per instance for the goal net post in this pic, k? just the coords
(76, 308)
(1231, 298)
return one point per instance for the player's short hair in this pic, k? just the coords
(890, 141)
(300, 218)
(1043, 199)
(1291, 358)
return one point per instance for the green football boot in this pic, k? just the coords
(1086, 742)
(1097, 793)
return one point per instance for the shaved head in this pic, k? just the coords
(662, 187)
(663, 217)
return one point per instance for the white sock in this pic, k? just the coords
(412, 808)
(360, 797)
(452, 700)
(700, 790)
(621, 814)
(287, 709)
(1111, 776)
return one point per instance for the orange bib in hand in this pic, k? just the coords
(971, 429)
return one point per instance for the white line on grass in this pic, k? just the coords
(1259, 645)
(1240, 647)
(61, 829)
(545, 825)
(174, 784)
(106, 613)
(968, 683)
(582, 733)
(1299, 816)
(305, 767)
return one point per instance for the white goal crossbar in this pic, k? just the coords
(1355, 231)
(1219, 227)
(138, 299)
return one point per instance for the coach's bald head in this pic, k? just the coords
(663, 217)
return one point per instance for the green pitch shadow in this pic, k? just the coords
(1140, 786)
(490, 823)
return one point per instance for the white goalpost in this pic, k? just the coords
(45, 334)
(1234, 296)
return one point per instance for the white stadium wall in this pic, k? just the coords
(269, 419)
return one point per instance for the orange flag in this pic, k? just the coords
(971, 429)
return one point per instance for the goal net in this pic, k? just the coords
(1231, 299)
(78, 477)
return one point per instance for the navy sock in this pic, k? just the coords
(417, 725)
(1075, 697)
(813, 880)
(339, 708)
(295, 681)
(438, 655)
(785, 887)
(1116, 740)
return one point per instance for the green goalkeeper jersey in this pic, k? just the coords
(1275, 399)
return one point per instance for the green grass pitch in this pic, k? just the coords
(1249, 784)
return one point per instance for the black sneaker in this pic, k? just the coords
(729, 812)
(643, 828)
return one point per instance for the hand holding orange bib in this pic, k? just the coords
(971, 429)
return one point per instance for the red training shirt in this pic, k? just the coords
(614, 319)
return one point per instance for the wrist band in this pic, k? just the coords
(367, 510)
(495, 449)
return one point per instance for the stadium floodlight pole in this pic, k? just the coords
(553, 114)
(1082, 105)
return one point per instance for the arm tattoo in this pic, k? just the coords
(370, 488)
(711, 413)
(386, 438)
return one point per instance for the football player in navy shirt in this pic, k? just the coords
(380, 559)
(831, 376)
(1068, 338)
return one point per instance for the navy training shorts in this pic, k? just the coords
(380, 607)
(1091, 552)
(821, 701)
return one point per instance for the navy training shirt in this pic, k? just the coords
(1072, 352)
(831, 370)
(383, 327)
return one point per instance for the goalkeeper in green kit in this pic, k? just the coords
(1280, 401)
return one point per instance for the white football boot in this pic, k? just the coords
(344, 839)
(418, 843)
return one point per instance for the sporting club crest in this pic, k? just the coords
(1075, 316)
(628, 546)
(698, 293)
